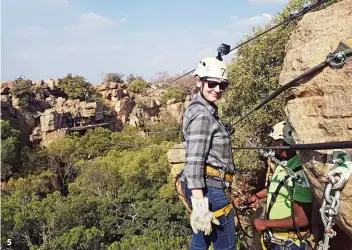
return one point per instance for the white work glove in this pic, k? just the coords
(201, 217)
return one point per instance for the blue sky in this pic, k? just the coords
(43, 39)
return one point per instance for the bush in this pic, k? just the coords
(113, 77)
(130, 78)
(177, 94)
(10, 150)
(76, 87)
(22, 90)
(138, 85)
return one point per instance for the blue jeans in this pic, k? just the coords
(291, 246)
(222, 236)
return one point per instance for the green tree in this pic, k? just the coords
(10, 150)
(130, 78)
(76, 87)
(34, 160)
(138, 85)
(113, 77)
(22, 90)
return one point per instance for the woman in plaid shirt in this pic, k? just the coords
(209, 165)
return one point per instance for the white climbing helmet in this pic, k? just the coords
(212, 68)
(282, 130)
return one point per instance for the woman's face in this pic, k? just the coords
(213, 89)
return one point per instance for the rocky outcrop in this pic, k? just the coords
(321, 110)
(50, 108)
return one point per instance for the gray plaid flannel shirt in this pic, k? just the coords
(207, 142)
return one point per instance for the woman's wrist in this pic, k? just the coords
(197, 193)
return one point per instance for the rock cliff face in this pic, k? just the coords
(321, 110)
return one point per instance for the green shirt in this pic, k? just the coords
(302, 191)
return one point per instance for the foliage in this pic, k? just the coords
(76, 87)
(113, 77)
(96, 193)
(22, 90)
(150, 241)
(34, 160)
(10, 150)
(138, 85)
(173, 93)
(169, 135)
(254, 73)
(130, 78)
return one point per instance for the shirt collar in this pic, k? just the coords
(210, 106)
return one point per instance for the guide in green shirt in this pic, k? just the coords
(289, 198)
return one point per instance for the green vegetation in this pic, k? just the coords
(10, 150)
(173, 93)
(96, 192)
(107, 190)
(22, 90)
(138, 85)
(76, 87)
(254, 73)
(113, 77)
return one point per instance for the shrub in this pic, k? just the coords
(113, 77)
(76, 87)
(177, 94)
(138, 85)
(22, 90)
(10, 150)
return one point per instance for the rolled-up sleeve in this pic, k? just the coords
(198, 139)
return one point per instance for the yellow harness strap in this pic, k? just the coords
(223, 211)
(215, 172)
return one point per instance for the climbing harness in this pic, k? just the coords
(268, 238)
(340, 170)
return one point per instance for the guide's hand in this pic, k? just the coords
(253, 201)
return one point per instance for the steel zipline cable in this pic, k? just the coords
(298, 147)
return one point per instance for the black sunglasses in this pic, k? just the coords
(222, 85)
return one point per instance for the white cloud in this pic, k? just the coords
(245, 23)
(91, 20)
(269, 1)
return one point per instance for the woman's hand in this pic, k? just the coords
(201, 217)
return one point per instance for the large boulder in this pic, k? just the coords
(50, 121)
(176, 158)
(176, 111)
(321, 108)
(90, 109)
